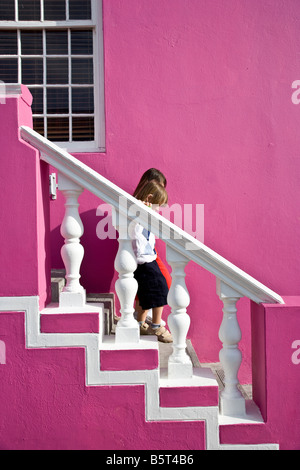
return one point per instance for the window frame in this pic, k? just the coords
(96, 23)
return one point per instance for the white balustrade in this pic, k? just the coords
(127, 329)
(232, 402)
(73, 294)
(179, 364)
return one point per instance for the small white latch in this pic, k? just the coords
(52, 186)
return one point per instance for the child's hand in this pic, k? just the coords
(148, 204)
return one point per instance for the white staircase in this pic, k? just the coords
(165, 399)
(180, 389)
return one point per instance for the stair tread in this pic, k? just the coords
(253, 416)
(202, 377)
(147, 342)
(54, 308)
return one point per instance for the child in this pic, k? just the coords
(152, 285)
(153, 175)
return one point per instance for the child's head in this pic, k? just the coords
(151, 175)
(154, 174)
(152, 192)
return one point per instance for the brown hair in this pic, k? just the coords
(158, 193)
(151, 175)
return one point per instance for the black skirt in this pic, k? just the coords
(152, 286)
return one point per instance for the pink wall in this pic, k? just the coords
(25, 259)
(45, 404)
(202, 90)
(276, 368)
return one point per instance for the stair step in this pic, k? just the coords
(57, 283)
(107, 299)
(195, 399)
(70, 323)
(250, 429)
(125, 357)
(201, 390)
(72, 320)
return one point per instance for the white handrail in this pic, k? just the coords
(174, 237)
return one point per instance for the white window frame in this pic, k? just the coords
(98, 145)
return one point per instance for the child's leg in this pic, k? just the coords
(141, 314)
(156, 315)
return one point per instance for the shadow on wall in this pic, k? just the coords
(97, 269)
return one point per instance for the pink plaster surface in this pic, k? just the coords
(45, 404)
(243, 433)
(278, 394)
(70, 323)
(189, 396)
(204, 94)
(131, 359)
(216, 150)
(25, 216)
(276, 378)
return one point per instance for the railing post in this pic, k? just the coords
(127, 329)
(232, 402)
(73, 294)
(180, 364)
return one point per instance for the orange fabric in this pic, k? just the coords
(164, 271)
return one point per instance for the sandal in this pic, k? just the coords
(144, 328)
(163, 335)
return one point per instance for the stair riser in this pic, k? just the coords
(188, 396)
(129, 360)
(70, 323)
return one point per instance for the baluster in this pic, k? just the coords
(180, 364)
(73, 294)
(127, 329)
(232, 402)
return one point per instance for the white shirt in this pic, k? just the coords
(143, 242)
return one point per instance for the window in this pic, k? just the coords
(55, 48)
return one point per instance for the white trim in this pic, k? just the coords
(249, 447)
(97, 12)
(11, 89)
(150, 378)
(48, 24)
(67, 10)
(43, 12)
(96, 24)
(16, 10)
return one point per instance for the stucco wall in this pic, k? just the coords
(202, 91)
(24, 235)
